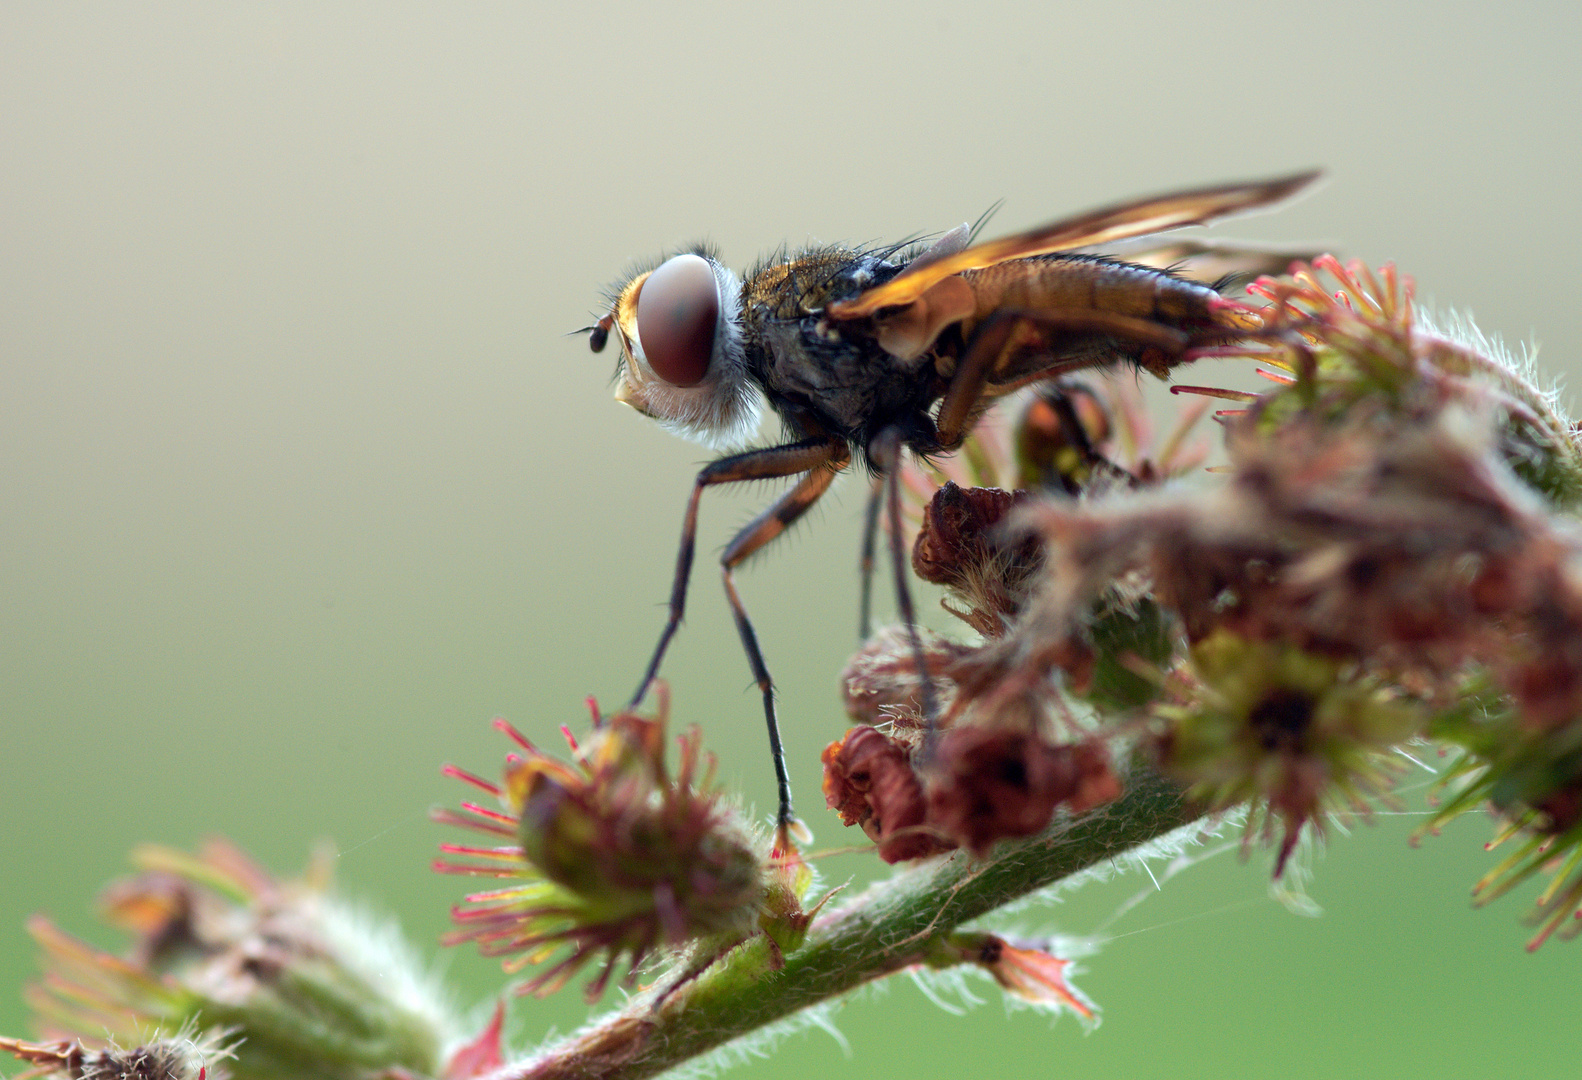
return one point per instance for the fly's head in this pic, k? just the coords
(682, 359)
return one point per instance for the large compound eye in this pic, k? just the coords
(677, 312)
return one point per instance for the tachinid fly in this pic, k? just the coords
(864, 353)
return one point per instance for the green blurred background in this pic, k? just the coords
(302, 481)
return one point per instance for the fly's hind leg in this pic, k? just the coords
(990, 342)
(870, 530)
(885, 452)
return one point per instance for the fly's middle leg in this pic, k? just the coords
(885, 451)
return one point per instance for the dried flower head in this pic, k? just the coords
(179, 1058)
(881, 683)
(976, 785)
(276, 970)
(962, 546)
(609, 855)
(997, 772)
(992, 784)
(869, 781)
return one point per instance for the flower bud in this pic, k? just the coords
(610, 854)
(1295, 733)
(1028, 972)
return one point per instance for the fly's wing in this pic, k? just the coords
(1137, 218)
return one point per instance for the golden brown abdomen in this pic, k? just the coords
(1078, 284)
(1089, 311)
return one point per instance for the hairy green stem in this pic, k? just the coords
(891, 926)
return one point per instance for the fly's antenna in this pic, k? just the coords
(598, 333)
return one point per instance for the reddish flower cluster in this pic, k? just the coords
(609, 855)
(1007, 756)
(979, 785)
(1384, 528)
(973, 783)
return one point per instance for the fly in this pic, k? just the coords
(866, 353)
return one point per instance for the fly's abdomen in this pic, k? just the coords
(1085, 311)
(1076, 283)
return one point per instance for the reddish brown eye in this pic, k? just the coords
(676, 316)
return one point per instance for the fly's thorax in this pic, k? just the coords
(834, 372)
(789, 287)
(846, 383)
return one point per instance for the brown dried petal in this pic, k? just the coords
(992, 785)
(869, 781)
(847, 776)
(955, 530)
(959, 545)
(881, 684)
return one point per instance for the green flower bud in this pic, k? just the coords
(609, 855)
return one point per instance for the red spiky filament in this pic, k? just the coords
(1531, 781)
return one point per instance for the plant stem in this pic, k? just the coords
(890, 926)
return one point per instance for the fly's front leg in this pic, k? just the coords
(766, 464)
(757, 533)
(994, 336)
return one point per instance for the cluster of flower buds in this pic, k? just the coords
(614, 855)
(1400, 521)
(1004, 770)
(1385, 557)
(248, 977)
